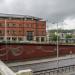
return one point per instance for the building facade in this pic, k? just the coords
(65, 36)
(22, 28)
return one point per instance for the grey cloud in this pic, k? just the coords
(47, 9)
(1, 1)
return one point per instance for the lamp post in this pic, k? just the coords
(57, 44)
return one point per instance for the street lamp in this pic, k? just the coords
(57, 44)
(57, 47)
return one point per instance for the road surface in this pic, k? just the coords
(43, 64)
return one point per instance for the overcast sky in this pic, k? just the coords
(53, 11)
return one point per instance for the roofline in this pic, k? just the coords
(18, 16)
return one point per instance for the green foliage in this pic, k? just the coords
(68, 36)
(54, 37)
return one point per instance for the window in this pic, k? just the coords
(8, 38)
(1, 24)
(29, 35)
(8, 25)
(20, 32)
(13, 32)
(20, 39)
(37, 39)
(1, 38)
(1, 32)
(28, 18)
(42, 39)
(14, 38)
(62, 35)
(43, 25)
(8, 31)
(13, 25)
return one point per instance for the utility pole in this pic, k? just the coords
(57, 44)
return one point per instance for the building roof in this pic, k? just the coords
(18, 16)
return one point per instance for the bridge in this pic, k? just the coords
(66, 66)
(5, 70)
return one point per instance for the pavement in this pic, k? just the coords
(41, 60)
(43, 64)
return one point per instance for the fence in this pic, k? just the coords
(55, 71)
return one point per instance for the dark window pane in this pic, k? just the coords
(42, 39)
(29, 35)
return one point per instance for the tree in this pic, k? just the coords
(54, 37)
(68, 37)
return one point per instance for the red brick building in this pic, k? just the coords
(22, 28)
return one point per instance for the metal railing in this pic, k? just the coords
(55, 71)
